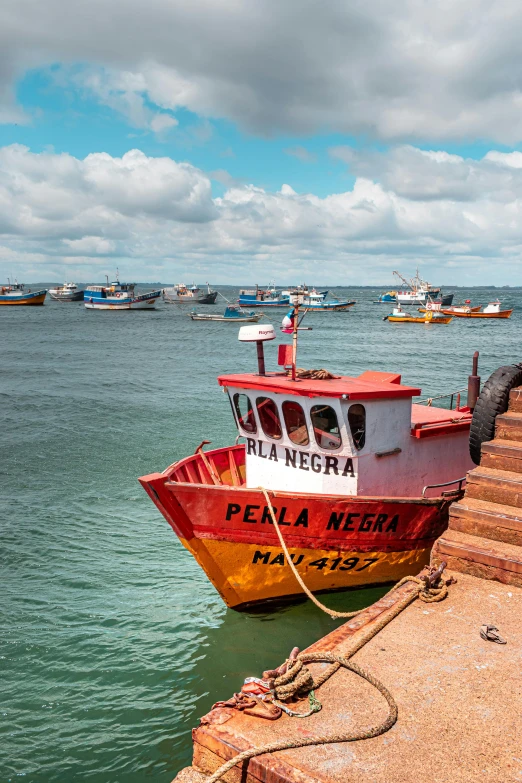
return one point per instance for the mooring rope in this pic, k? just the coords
(425, 595)
(297, 679)
(324, 739)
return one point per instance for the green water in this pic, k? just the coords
(112, 640)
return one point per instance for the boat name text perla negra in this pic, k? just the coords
(350, 464)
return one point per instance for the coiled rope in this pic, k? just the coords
(316, 375)
(297, 680)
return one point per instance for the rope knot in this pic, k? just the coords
(296, 681)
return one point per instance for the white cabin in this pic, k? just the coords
(346, 436)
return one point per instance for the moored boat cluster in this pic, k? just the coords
(435, 307)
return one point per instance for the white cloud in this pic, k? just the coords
(460, 220)
(91, 246)
(396, 71)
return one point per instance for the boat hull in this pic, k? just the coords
(260, 303)
(397, 319)
(501, 314)
(208, 299)
(34, 298)
(211, 317)
(76, 296)
(143, 302)
(336, 542)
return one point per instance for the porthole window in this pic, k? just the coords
(245, 413)
(295, 423)
(357, 422)
(269, 417)
(326, 427)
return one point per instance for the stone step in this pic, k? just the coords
(487, 520)
(479, 557)
(502, 455)
(515, 400)
(509, 426)
(495, 486)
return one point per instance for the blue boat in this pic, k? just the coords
(14, 294)
(232, 313)
(269, 297)
(118, 296)
(387, 298)
(315, 302)
(263, 297)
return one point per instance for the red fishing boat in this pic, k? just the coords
(359, 477)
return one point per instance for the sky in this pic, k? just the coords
(252, 141)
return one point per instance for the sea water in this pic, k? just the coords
(113, 642)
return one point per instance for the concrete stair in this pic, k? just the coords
(484, 535)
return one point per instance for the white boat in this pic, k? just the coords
(68, 292)
(418, 292)
(181, 293)
(119, 296)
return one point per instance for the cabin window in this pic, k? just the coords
(295, 422)
(245, 413)
(269, 417)
(326, 427)
(357, 422)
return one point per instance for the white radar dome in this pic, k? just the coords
(256, 333)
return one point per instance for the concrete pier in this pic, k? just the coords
(459, 698)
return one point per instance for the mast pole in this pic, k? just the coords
(294, 338)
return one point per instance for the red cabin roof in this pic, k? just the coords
(369, 385)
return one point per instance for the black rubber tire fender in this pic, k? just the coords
(493, 400)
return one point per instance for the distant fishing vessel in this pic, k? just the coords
(232, 314)
(68, 292)
(417, 292)
(263, 297)
(492, 310)
(118, 296)
(270, 297)
(316, 302)
(15, 294)
(181, 293)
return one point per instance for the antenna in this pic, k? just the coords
(257, 334)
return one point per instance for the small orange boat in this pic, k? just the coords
(399, 316)
(491, 311)
(454, 309)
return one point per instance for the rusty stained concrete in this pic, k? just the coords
(459, 699)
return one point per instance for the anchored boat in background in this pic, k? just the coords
(399, 316)
(180, 293)
(316, 302)
(360, 478)
(15, 294)
(418, 291)
(68, 292)
(263, 297)
(119, 296)
(232, 314)
(270, 297)
(492, 310)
